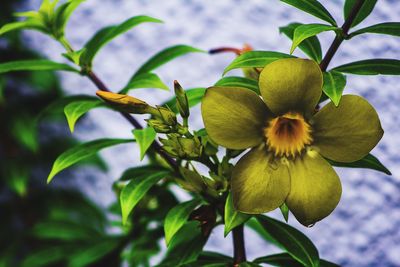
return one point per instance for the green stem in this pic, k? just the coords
(341, 37)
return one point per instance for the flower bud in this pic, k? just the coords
(159, 126)
(126, 103)
(167, 116)
(182, 102)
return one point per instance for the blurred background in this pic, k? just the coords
(362, 231)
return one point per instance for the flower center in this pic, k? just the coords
(287, 135)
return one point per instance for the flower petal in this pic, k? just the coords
(234, 117)
(291, 84)
(348, 132)
(259, 184)
(315, 188)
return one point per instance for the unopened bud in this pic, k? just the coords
(159, 126)
(182, 102)
(167, 116)
(126, 103)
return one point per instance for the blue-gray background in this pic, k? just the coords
(364, 229)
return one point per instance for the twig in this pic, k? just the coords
(239, 251)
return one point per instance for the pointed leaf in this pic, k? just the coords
(187, 243)
(105, 35)
(63, 13)
(285, 260)
(364, 12)
(34, 65)
(165, 56)
(371, 67)
(285, 211)
(44, 257)
(310, 46)
(135, 190)
(141, 171)
(314, 8)
(144, 137)
(389, 28)
(232, 217)
(334, 84)
(144, 80)
(177, 217)
(194, 96)
(22, 25)
(305, 31)
(291, 240)
(368, 162)
(255, 59)
(81, 152)
(73, 111)
(239, 82)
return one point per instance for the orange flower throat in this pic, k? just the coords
(287, 135)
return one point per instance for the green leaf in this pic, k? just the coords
(194, 96)
(105, 35)
(371, 67)
(314, 8)
(135, 190)
(44, 257)
(285, 211)
(232, 217)
(310, 46)
(141, 171)
(239, 82)
(25, 131)
(22, 25)
(165, 56)
(57, 107)
(63, 230)
(285, 260)
(144, 137)
(390, 28)
(364, 12)
(63, 14)
(368, 162)
(76, 109)
(291, 240)
(34, 65)
(93, 252)
(305, 31)
(334, 84)
(211, 259)
(185, 246)
(81, 152)
(177, 217)
(255, 59)
(144, 80)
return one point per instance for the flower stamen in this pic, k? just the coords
(287, 135)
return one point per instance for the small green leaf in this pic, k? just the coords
(364, 12)
(368, 162)
(141, 171)
(194, 96)
(185, 246)
(81, 152)
(285, 211)
(135, 190)
(90, 253)
(285, 260)
(63, 230)
(334, 84)
(34, 65)
(22, 25)
(107, 34)
(314, 8)
(232, 217)
(255, 59)
(239, 82)
(310, 46)
(57, 107)
(144, 137)
(44, 257)
(76, 109)
(62, 15)
(389, 28)
(177, 217)
(305, 31)
(144, 80)
(371, 67)
(291, 240)
(165, 56)
(25, 131)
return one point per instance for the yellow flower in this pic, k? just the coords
(289, 140)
